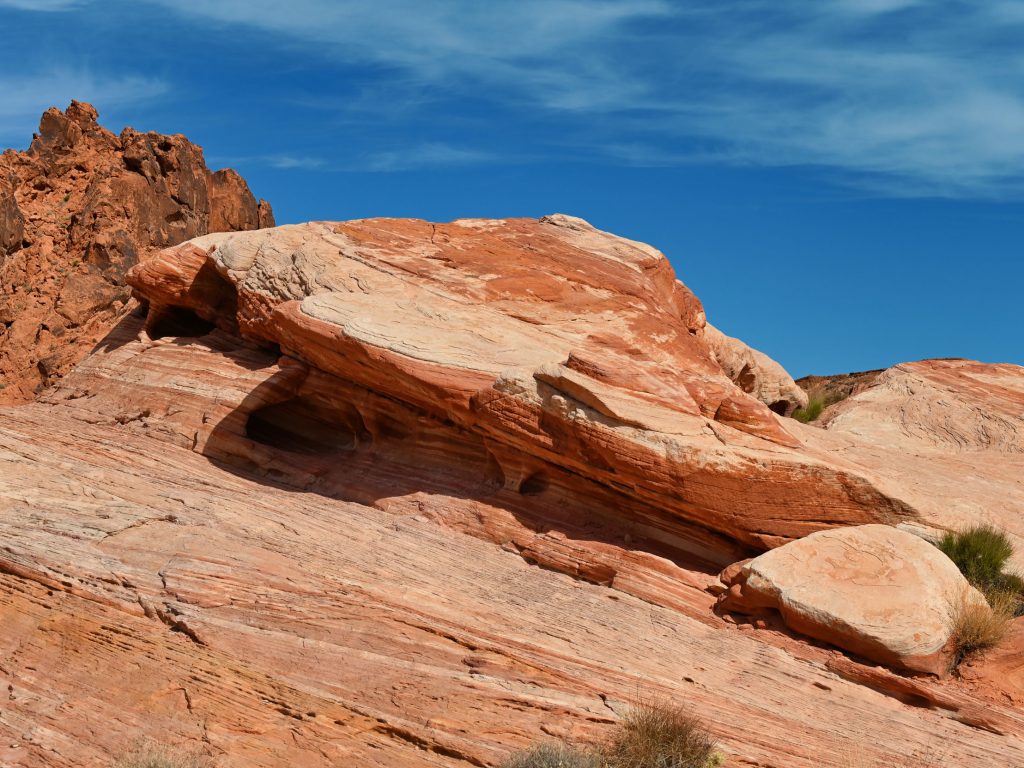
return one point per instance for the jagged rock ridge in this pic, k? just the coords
(78, 209)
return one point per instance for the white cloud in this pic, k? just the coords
(279, 161)
(908, 95)
(542, 49)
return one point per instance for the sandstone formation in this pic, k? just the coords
(943, 407)
(77, 210)
(562, 355)
(879, 592)
(755, 373)
(944, 436)
(393, 493)
(408, 613)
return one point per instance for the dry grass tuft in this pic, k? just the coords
(554, 755)
(660, 735)
(977, 626)
(651, 735)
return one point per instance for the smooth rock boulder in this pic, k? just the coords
(873, 590)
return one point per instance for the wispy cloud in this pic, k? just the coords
(26, 97)
(907, 96)
(896, 96)
(431, 155)
(279, 161)
(539, 48)
(40, 5)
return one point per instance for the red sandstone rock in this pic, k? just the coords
(755, 373)
(565, 351)
(77, 210)
(465, 485)
(944, 436)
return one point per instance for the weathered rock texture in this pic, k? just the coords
(945, 436)
(755, 373)
(562, 354)
(77, 210)
(879, 592)
(396, 617)
(839, 386)
(466, 485)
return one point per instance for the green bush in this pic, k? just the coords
(554, 755)
(816, 403)
(981, 553)
(813, 410)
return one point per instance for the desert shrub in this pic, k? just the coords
(979, 626)
(554, 755)
(651, 735)
(813, 410)
(148, 754)
(816, 403)
(981, 553)
(660, 735)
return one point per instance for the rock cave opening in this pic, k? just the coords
(303, 426)
(178, 321)
(535, 484)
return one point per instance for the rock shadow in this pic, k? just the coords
(307, 431)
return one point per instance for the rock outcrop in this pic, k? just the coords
(837, 387)
(78, 209)
(940, 406)
(876, 591)
(944, 436)
(407, 610)
(755, 373)
(569, 356)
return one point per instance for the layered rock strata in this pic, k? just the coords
(755, 373)
(461, 486)
(568, 356)
(407, 612)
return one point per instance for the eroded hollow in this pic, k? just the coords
(535, 484)
(302, 425)
(178, 321)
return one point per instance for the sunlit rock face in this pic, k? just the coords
(565, 352)
(874, 590)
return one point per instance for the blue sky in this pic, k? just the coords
(840, 181)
